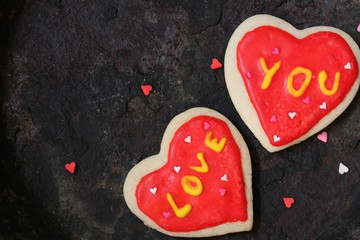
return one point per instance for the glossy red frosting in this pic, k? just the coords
(210, 208)
(319, 51)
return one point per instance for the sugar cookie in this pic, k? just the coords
(288, 84)
(199, 184)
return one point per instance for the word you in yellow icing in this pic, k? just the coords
(322, 77)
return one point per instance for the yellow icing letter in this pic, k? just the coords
(301, 90)
(192, 185)
(179, 212)
(322, 79)
(204, 166)
(213, 144)
(269, 73)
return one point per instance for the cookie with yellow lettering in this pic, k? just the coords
(288, 84)
(199, 184)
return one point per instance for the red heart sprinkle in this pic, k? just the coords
(215, 64)
(146, 89)
(288, 201)
(70, 167)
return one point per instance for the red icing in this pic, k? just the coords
(210, 208)
(319, 51)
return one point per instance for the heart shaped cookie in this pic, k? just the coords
(194, 188)
(288, 84)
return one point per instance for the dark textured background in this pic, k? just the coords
(71, 72)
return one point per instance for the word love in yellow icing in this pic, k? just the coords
(193, 185)
(322, 77)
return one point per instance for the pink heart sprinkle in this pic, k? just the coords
(207, 126)
(306, 100)
(166, 214)
(322, 137)
(222, 191)
(248, 75)
(275, 51)
(358, 28)
(273, 119)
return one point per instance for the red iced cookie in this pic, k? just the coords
(199, 184)
(288, 84)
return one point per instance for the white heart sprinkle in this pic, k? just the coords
(276, 138)
(292, 114)
(224, 178)
(177, 169)
(188, 139)
(347, 66)
(153, 190)
(343, 169)
(323, 105)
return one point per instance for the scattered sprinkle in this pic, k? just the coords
(275, 51)
(276, 138)
(166, 214)
(188, 139)
(343, 169)
(215, 64)
(70, 167)
(207, 126)
(288, 201)
(292, 114)
(146, 89)
(358, 28)
(323, 137)
(153, 190)
(347, 66)
(222, 191)
(323, 106)
(177, 169)
(306, 100)
(224, 178)
(248, 75)
(273, 119)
